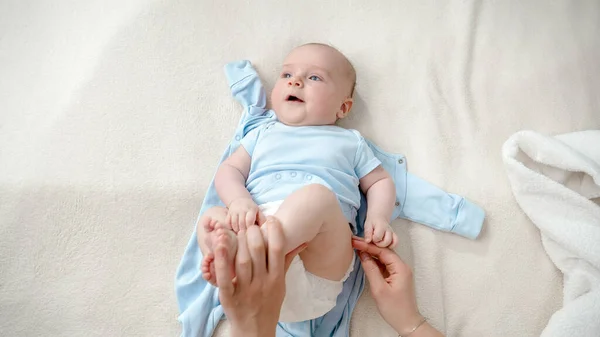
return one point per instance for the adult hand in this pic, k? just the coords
(252, 300)
(392, 287)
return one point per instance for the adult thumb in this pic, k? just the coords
(372, 270)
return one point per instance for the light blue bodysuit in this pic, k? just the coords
(286, 158)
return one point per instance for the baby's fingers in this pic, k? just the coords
(394, 240)
(378, 233)
(387, 239)
(242, 220)
(234, 222)
(228, 219)
(250, 218)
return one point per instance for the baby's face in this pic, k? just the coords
(314, 87)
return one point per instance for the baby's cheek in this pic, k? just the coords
(275, 92)
(273, 98)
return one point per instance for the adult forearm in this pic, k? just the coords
(230, 184)
(381, 198)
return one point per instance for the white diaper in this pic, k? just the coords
(307, 295)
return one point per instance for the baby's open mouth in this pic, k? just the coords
(292, 98)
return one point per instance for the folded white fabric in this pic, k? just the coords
(553, 180)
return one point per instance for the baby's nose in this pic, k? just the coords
(294, 81)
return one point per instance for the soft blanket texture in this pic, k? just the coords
(554, 180)
(113, 116)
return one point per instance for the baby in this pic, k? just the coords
(308, 173)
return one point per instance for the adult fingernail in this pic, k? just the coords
(363, 256)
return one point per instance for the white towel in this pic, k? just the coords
(553, 180)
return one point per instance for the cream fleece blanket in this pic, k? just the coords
(113, 116)
(556, 181)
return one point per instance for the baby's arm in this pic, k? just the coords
(381, 197)
(230, 183)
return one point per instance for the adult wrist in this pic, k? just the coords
(409, 326)
(241, 331)
(251, 327)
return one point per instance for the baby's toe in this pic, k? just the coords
(207, 223)
(208, 269)
(206, 275)
(213, 273)
(207, 260)
(216, 237)
(211, 276)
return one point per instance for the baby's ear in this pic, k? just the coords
(345, 108)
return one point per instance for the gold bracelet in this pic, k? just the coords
(415, 328)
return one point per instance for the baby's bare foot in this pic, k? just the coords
(208, 273)
(217, 235)
(226, 238)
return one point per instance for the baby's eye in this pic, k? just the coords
(286, 75)
(314, 78)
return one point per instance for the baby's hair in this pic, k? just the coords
(349, 66)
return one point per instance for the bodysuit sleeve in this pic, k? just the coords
(364, 160)
(246, 86)
(250, 139)
(422, 202)
(427, 204)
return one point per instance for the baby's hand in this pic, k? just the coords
(379, 231)
(243, 213)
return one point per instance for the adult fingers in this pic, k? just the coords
(372, 271)
(243, 261)
(275, 244)
(364, 246)
(388, 257)
(256, 246)
(224, 275)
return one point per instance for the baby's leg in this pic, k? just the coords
(313, 215)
